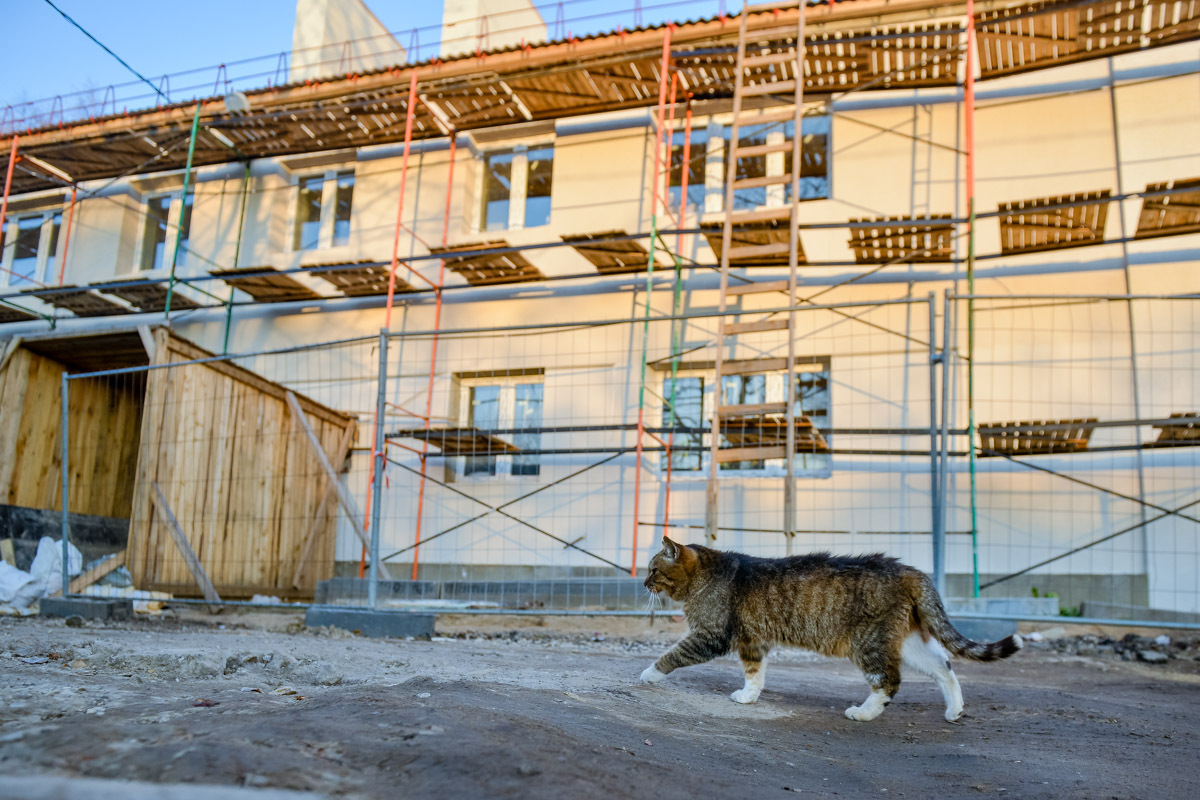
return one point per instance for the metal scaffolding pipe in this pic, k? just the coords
(437, 320)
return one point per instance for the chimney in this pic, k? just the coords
(337, 37)
(474, 25)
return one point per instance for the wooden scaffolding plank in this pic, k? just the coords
(145, 296)
(1036, 437)
(1172, 214)
(79, 301)
(464, 441)
(481, 268)
(265, 284)
(763, 243)
(1186, 430)
(608, 256)
(902, 240)
(1029, 226)
(359, 278)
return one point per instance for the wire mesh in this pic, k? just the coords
(531, 463)
(1086, 471)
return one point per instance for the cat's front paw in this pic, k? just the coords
(651, 674)
(744, 696)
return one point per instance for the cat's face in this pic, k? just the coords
(671, 570)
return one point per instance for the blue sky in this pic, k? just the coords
(44, 55)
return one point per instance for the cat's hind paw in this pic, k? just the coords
(651, 674)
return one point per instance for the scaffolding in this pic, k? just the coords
(771, 56)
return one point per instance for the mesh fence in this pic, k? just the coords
(510, 478)
(1086, 463)
(532, 493)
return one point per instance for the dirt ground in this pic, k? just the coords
(547, 707)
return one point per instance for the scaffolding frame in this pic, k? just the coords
(670, 80)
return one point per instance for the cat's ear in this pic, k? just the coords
(670, 549)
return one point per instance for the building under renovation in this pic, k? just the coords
(867, 275)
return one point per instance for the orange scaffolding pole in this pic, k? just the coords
(437, 320)
(641, 421)
(12, 162)
(62, 267)
(410, 112)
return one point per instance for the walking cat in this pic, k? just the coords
(879, 613)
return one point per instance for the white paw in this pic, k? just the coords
(862, 713)
(651, 675)
(952, 714)
(744, 696)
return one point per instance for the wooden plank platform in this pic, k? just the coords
(10, 314)
(1029, 226)
(81, 302)
(1186, 432)
(610, 257)
(1171, 214)
(463, 441)
(147, 296)
(771, 429)
(903, 240)
(1033, 438)
(760, 235)
(359, 278)
(484, 268)
(266, 284)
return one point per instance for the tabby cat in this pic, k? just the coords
(872, 609)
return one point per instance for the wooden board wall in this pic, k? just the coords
(105, 422)
(238, 473)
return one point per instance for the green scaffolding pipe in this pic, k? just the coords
(187, 185)
(237, 252)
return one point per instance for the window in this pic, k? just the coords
(814, 171)
(324, 202)
(503, 406)
(517, 187)
(693, 406)
(158, 238)
(689, 413)
(697, 158)
(30, 251)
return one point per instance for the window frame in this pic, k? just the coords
(327, 238)
(175, 215)
(48, 240)
(506, 420)
(707, 374)
(518, 190)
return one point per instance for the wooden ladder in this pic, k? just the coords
(728, 332)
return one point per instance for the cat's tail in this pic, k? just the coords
(931, 617)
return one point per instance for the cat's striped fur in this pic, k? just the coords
(872, 609)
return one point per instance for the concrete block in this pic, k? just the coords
(1093, 609)
(984, 630)
(101, 609)
(1004, 606)
(368, 622)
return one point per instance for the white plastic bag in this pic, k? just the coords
(46, 568)
(17, 587)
